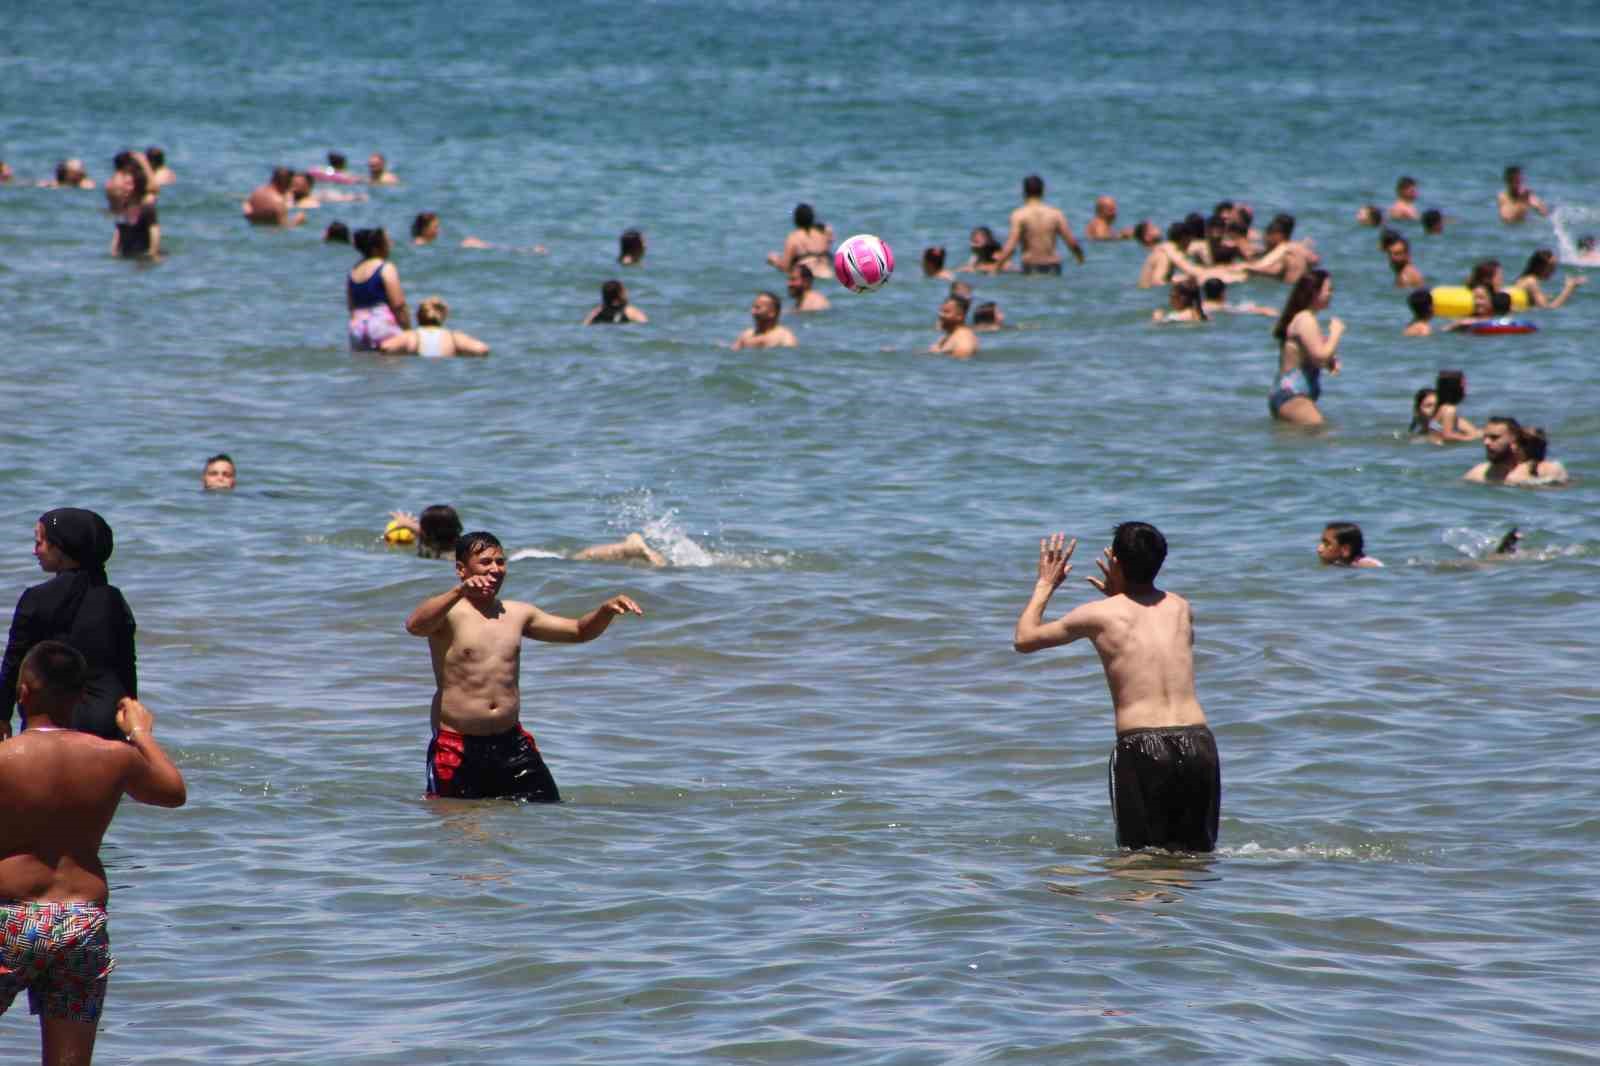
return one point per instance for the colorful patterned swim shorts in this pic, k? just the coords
(59, 952)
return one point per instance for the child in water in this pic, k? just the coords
(1343, 545)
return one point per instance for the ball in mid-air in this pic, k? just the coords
(863, 263)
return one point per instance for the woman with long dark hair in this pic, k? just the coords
(1541, 266)
(807, 244)
(1304, 351)
(80, 607)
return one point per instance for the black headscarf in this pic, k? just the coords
(85, 537)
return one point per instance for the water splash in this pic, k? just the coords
(1586, 220)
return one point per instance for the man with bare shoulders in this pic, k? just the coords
(1166, 777)
(1103, 226)
(59, 789)
(956, 338)
(268, 204)
(378, 172)
(1286, 259)
(1502, 451)
(765, 333)
(479, 749)
(802, 290)
(1036, 225)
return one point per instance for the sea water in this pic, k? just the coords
(816, 809)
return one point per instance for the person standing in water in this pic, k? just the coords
(81, 608)
(60, 790)
(807, 244)
(1165, 774)
(1304, 352)
(1035, 226)
(479, 749)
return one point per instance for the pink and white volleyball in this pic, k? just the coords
(863, 263)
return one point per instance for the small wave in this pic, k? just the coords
(1344, 853)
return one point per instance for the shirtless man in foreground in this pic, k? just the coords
(60, 789)
(765, 333)
(479, 749)
(268, 204)
(1166, 778)
(1036, 225)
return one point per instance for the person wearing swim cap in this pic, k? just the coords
(479, 748)
(1166, 776)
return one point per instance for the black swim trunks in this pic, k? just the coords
(503, 766)
(1041, 268)
(1166, 788)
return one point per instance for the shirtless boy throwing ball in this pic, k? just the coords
(479, 749)
(1166, 778)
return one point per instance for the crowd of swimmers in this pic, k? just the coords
(69, 666)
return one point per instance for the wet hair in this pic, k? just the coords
(282, 176)
(984, 313)
(1483, 274)
(1141, 549)
(1387, 237)
(777, 304)
(1245, 215)
(1418, 423)
(337, 232)
(1421, 303)
(63, 172)
(1369, 215)
(1510, 423)
(1432, 220)
(1188, 294)
(1513, 172)
(933, 260)
(1541, 264)
(336, 160)
(1282, 224)
(989, 248)
(1214, 289)
(1535, 445)
(157, 157)
(60, 673)
(630, 245)
(1223, 207)
(805, 217)
(221, 457)
(957, 287)
(440, 527)
(1143, 227)
(961, 302)
(1450, 387)
(371, 242)
(1194, 226)
(1403, 182)
(1500, 303)
(1348, 535)
(432, 311)
(470, 544)
(611, 294)
(1177, 232)
(1301, 298)
(419, 225)
(1033, 185)
(1401, 242)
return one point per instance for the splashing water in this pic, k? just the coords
(1586, 221)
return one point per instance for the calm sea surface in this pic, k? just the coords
(817, 809)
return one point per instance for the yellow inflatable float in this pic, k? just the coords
(1455, 301)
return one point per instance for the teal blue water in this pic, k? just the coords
(817, 809)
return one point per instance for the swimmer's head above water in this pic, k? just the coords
(219, 474)
(439, 529)
(1341, 545)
